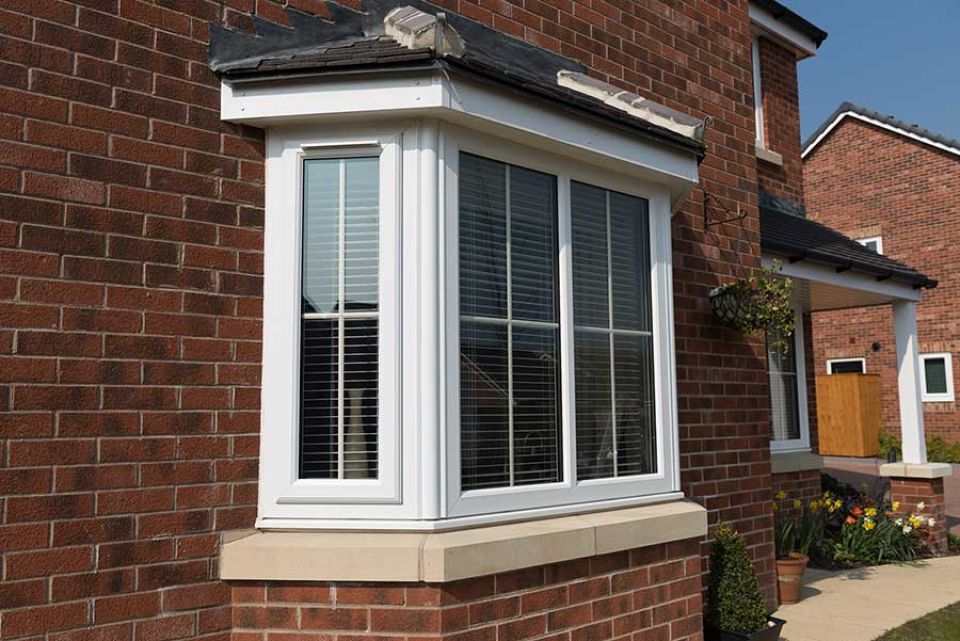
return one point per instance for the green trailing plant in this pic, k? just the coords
(734, 600)
(758, 304)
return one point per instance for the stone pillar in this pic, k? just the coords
(911, 485)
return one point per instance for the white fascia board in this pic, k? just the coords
(479, 106)
(876, 123)
(765, 22)
(815, 272)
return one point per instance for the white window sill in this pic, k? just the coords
(768, 156)
(794, 461)
(438, 557)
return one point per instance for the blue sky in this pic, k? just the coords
(900, 57)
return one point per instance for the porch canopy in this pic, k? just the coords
(831, 271)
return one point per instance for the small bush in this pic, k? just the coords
(734, 601)
(938, 450)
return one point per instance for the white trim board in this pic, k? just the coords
(876, 123)
(812, 271)
(849, 359)
(769, 25)
(475, 105)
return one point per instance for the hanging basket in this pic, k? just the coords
(730, 305)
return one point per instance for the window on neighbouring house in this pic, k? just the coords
(936, 372)
(874, 243)
(846, 366)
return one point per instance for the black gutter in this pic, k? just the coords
(795, 20)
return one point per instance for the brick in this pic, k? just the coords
(125, 607)
(64, 560)
(44, 619)
(63, 188)
(108, 171)
(52, 452)
(62, 241)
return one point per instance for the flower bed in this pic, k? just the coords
(847, 528)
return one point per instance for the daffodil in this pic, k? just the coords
(921, 506)
(870, 511)
(896, 506)
(797, 504)
(907, 529)
(899, 522)
(931, 522)
(868, 524)
(774, 505)
(915, 520)
(781, 495)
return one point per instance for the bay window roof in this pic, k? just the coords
(394, 36)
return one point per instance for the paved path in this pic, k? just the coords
(862, 604)
(856, 471)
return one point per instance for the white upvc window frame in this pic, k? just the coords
(946, 397)
(545, 498)
(282, 493)
(851, 359)
(803, 442)
(757, 92)
(878, 240)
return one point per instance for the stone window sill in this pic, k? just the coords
(800, 461)
(438, 557)
(771, 157)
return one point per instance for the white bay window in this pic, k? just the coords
(464, 325)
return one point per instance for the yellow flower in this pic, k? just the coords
(868, 524)
(797, 504)
(781, 495)
(896, 505)
(774, 505)
(870, 511)
(915, 520)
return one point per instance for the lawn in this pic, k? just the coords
(942, 625)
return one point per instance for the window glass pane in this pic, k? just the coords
(509, 331)
(483, 237)
(613, 351)
(339, 342)
(636, 428)
(935, 375)
(846, 367)
(362, 233)
(784, 400)
(321, 235)
(484, 406)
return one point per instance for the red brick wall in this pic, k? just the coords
(130, 239)
(911, 492)
(781, 122)
(654, 592)
(865, 181)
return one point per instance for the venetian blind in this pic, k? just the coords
(613, 339)
(784, 399)
(509, 325)
(339, 373)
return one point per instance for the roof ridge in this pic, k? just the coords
(848, 107)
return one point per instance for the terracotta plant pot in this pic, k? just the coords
(789, 573)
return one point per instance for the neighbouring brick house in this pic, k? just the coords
(238, 400)
(895, 187)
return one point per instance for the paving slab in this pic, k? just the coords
(862, 604)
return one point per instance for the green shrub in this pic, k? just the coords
(872, 542)
(734, 601)
(938, 450)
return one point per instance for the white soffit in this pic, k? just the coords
(468, 103)
(766, 23)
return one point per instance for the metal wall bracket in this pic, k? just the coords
(716, 213)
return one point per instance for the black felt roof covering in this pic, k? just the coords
(801, 238)
(795, 20)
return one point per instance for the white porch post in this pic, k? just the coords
(908, 381)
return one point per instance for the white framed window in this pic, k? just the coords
(846, 365)
(758, 93)
(936, 377)
(786, 376)
(559, 305)
(873, 243)
(330, 392)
